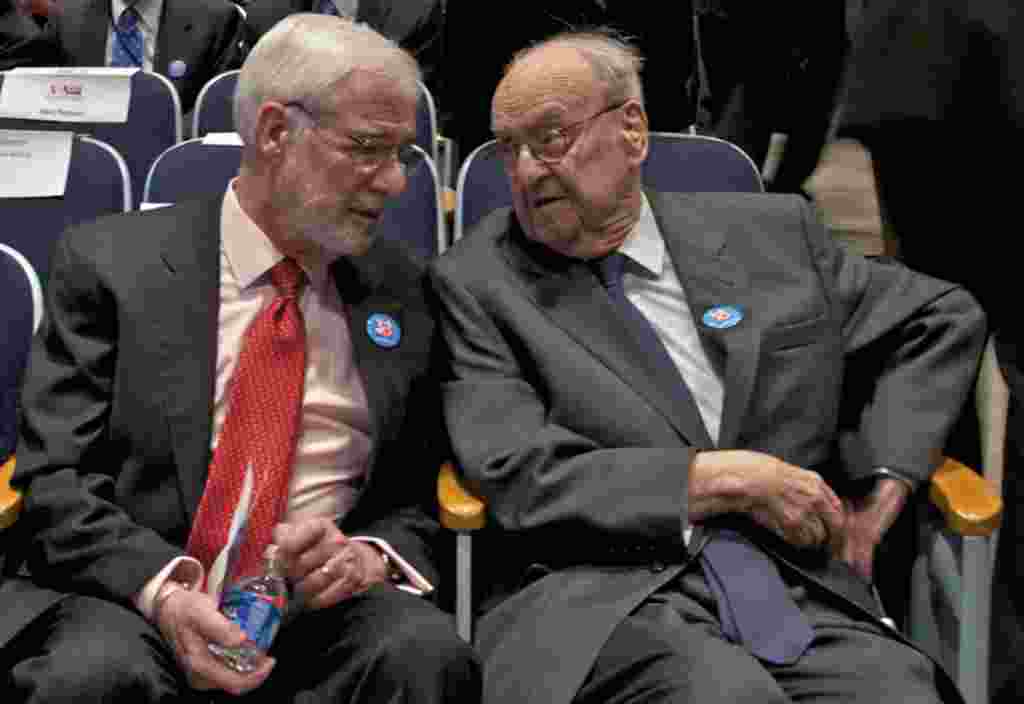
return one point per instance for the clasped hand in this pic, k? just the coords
(795, 503)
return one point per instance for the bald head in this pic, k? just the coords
(576, 66)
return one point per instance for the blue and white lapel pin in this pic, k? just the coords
(722, 317)
(383, 330)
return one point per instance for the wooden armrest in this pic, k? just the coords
(969, 505)
(448, 201)
(460, 510)
(10, 500)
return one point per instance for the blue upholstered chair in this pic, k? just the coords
(195, 168)
(675, 163)
(415, 216)
(214, 111)
(154, 123)
(98, 184)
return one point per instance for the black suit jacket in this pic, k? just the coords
(21, 41)
(207, 35)
(582, 456)
(116, 432)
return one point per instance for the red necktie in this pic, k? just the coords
(247, 488)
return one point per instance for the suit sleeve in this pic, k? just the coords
(84, 540)
(554, 482)
(912, 345)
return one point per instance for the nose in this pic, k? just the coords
(525, 169)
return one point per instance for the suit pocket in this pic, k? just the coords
(797, 334)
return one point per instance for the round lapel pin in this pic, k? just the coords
(383, 330)
(722, 317)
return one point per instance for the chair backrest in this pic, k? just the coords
(97, 185)
(415, 216)
(191, 169)
(675, 163)
(214, 109)
(20, 314)
(154, 123)
(426, 123)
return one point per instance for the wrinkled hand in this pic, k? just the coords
(794, 503)
(867, 520)
(189, 620)
(324, 565)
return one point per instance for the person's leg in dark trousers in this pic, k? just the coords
(86, 650)
(381, 646)
(671, 649)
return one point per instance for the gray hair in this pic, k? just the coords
(614, 60)
(304, 55)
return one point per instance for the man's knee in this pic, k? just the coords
(92, 650)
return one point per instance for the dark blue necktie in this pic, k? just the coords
(609, 270)
(126, 50)
(754, 607)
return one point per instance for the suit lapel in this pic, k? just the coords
(87, 39)
(711, 278)
(361, 283)
(570, 295)
(175, 35)
(188, 323)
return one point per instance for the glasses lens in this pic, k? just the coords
(407, 155)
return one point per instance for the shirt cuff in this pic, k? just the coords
(415, 583)
(185, 569)
(886, 473)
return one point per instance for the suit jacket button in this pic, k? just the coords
(658, 567)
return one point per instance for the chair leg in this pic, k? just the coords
(464, 586)
(975, 615)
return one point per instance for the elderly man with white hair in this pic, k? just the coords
(220, 376)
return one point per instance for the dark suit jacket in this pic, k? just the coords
(207, 35)
(115, 442)
(21, 42)
(581, 454)
(415, 24)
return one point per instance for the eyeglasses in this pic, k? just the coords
(551, 146)
(366, 152)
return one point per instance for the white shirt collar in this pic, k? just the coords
(249, 251)
(645, 245)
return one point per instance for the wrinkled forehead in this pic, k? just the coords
(542, 85)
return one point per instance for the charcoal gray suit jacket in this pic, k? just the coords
(582, 456)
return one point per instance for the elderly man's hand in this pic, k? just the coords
(324, 565)
(867, 520)
(188, 621)
(794, 503)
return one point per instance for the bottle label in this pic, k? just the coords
(259, 615)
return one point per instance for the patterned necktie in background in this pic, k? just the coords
(127, 48)
(247, 488)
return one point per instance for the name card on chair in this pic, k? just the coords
(80, 94)
(34, 164)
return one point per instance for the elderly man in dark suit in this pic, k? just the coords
(649, 390)
(188, 41)
(223, 374)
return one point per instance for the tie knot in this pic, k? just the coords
(288, 278)
(128, 19)
(609, 269)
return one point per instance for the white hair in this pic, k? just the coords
(616, 63)
(304, 55)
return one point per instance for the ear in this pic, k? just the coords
(635, 131)
(273, 130)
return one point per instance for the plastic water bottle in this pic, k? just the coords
(257, 604)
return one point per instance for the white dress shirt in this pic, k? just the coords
(334, 442)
